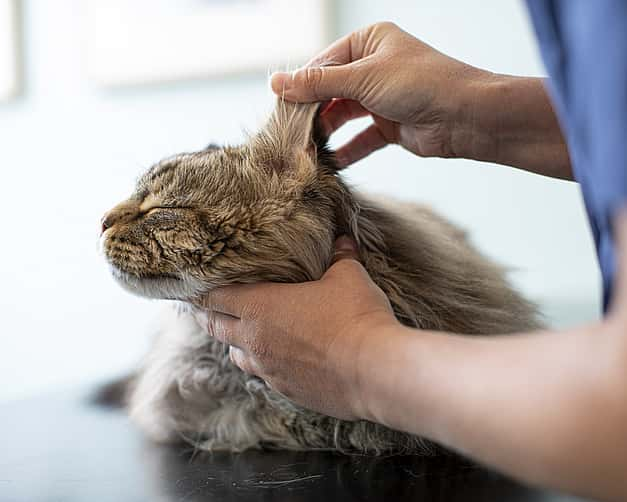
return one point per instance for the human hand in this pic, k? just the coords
(418, 97)
(305, 340)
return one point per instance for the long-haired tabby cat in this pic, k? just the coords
(269, 210)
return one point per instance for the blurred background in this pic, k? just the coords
(93, 92)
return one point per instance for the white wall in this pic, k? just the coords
(70, 150)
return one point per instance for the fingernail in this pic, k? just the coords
(281, 82)
(345, 243)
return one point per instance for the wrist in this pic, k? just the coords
(380, 359)
(509, 120)
(475, 116)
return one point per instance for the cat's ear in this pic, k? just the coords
(293, 124)
(293, 131)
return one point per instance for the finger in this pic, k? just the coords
(227, 300)
(345, 248)
(317, 83)
(238, 358)
(337, 113)
(362, 145)
(345, 50)
(242, 301)
(225, 329)
(330, 73)
(345, 260)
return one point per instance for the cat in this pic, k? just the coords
(269, 210)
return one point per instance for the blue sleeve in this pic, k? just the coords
(584, 47)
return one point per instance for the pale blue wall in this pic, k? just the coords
(70, 150)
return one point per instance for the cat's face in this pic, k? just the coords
(262, 211)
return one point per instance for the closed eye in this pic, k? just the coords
(165, 208)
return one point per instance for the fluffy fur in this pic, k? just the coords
(269, 210)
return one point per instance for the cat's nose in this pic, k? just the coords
(122, 213)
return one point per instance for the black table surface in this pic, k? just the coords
(64, 448)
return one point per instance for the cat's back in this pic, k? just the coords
(430, 267)
(420, 217)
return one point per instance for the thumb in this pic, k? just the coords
(345, 248)
(346, 263)
(315, 83)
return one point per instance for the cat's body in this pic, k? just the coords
(270, 210)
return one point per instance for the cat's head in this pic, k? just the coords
(266, 210)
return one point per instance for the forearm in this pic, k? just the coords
(546, 408)
(510, 120)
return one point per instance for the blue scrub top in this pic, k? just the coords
(584, 47)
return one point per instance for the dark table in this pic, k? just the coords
(64, 448)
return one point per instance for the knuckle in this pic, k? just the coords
(379, 27)
(312, 77)
(386, 26)
(382, 27)
(371, 28)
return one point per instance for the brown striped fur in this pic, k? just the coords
(269, 210)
